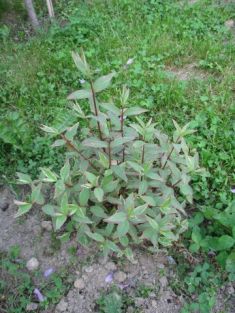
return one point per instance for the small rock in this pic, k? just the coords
(110, 266)
(79, 284)
(160, 265)
(139, 302)
(152, 295)
(230, 290)
(32, 264)
(154, 303)
(120, 276)
(163, 281)
(31, 306)
(47, 225)
(229, 23)
(62, 306)
(89, 269)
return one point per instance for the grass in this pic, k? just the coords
(37, 74)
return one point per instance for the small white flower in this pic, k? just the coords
(129, 61)
(82, 81)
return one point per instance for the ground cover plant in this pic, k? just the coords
(174, 34)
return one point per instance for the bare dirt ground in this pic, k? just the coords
(147, 282)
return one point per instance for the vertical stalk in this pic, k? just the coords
(109, 153)
(96, 108)
(142, 159)
(122, 133)
(169, 155)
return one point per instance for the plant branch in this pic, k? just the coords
(109, 153)
(122, 132)
(96, 108)
(169, 155)
(71, 145)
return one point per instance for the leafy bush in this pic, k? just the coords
(123, 182)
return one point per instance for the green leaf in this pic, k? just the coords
(134, 111)
(135, 166)
(152, 223)
(143, 187)
(65, 171)
(80, 64)
(103, 82)
(99, 194)
(24, 178)
(98, 211)
(59, 221)
(49, 209)
(155, 176)
(225, 242)
(124, 241)
(119, 171)
(140, 209)
(59, 188)
(196, 236)
(71, 132)
(58, 143)
(36, 196)
(120, 141)
(111, 108)
(49, 176)
(64, 204)
(104, 161)
(123, 228)
(95, 143)
(117, 218)
(149, 200)
(95, 236)
(84, 196)
(91, 178)
(80, 94)
(72, 209)
(230, 263)
(24, 207)
(50, 130)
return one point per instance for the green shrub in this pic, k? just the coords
(123, 182)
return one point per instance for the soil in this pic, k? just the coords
(147, 282)
(189, 71)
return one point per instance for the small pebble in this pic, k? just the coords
(79, 284)
(139, 302)
(160, 265)
(47, 225)
(89, 269)
(110, 266)
(31, 306)
(229, 23)
(32, 264)
(62, 306)
(163, 281)
(120, 276)
(154, 303)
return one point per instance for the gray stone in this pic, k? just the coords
(32, 264)
(110, 266)
(160, 265)
(31, 306)
(163, 281)
(154, 303)
(62, 306)
(89, 269)
(79, 284)
(120, 276)
(139, 302)
(229, 23)
(47, 225)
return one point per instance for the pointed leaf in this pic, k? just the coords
(24, 178)
(99, 194)
(134, 111)
(95, 143)
(123, 228)
(117, 218)
(80, 94)
(103, 82)
(24, 207)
